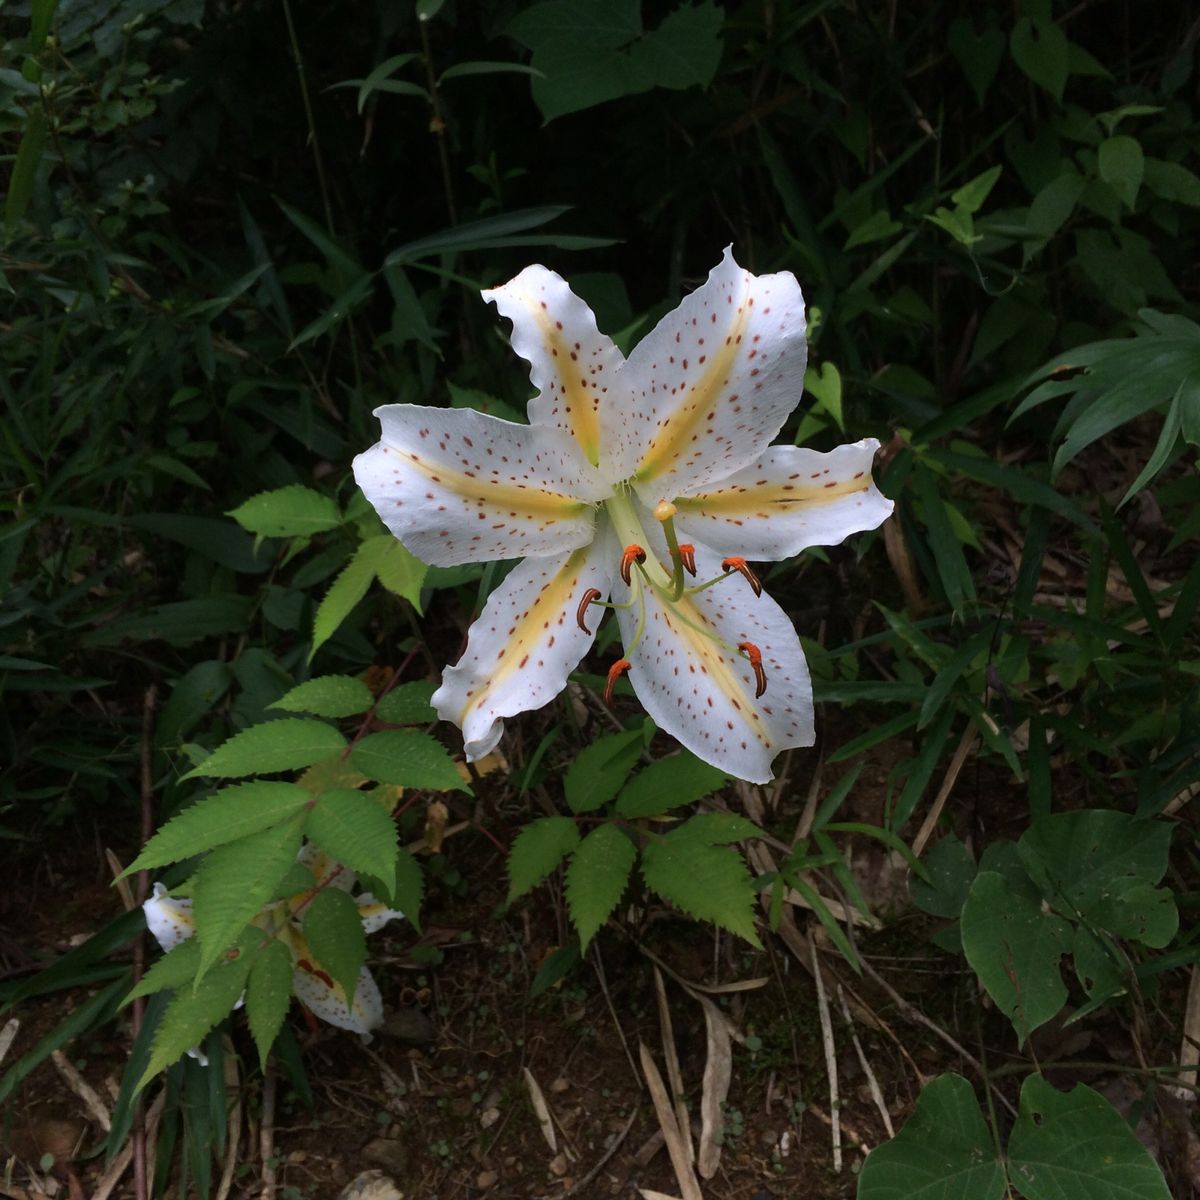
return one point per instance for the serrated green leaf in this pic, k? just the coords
(1015, 947)
(289, 744)
(173, 970)
(1076, 1146)
(232, 813)
(292, 511)
(194, 1011)
(399, 571)
(667, 784)
(328, 696)
(409, 887)
(598, 771)
(352, 828)
(334, 931)
(944, 1152)
(539, 848)
(596, 877)
(710, 883)
(716, 829)
(268, 995)
(407, 704)
(344, 593)
(409, 758)
(234, 883)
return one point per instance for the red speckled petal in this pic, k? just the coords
(456, 486)
(704, 695)
(168, 919)
(790, 499)
(527, 641)
(572, 364)
(712, 384)
(374, 913)
(317, 991)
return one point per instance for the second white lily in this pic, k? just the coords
(633, 477)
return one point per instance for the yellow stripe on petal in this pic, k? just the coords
(576, 395)
(761, 500)
(551, 608)
(689, 419)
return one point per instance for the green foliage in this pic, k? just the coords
(668, 784)
(284, 745)
(407, 704)
(328, 696)
(408, 758)
(1071, 1146)
(294, 511)
(352, 828)
(596, 879)
(268, 995)
(334, 932)
(538, 850)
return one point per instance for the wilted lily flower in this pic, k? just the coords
(170, 920)
(634, 477)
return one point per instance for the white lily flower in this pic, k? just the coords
(631, 473)
(170, 920)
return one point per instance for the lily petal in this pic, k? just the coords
(374, 913)
(572, 364)
(713, 383)
(457, 486)
(168, 919)
(525, 644)
(704, 693)
(788, 500)
(317, 991)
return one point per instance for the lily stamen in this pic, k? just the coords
(687, 556)
(614, 673)
(589, 597)
(632, 553)
(739, 565)
(754, 655)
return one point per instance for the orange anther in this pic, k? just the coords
(739, 565)
(614, 673)
(687, 556)
(631, 554)
(754, 654)
(588, 596)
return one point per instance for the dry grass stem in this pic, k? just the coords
(835, 1125)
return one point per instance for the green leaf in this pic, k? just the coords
(598, 770)
(1015, 947)
(944, 1152)
(1102, 865)
(409, 887)
(710, 883)
(409, 758)
(1122, 166)
(978, 54)
(1172, 181)
(399, 571)
(355, 830)
(289, 744)
(407, 704)
(716, 829)
(173, 970)
(328, 696)
(596, 878)
(971, 195)
(951, 870)
(180, 623)
(194, 1011)
(538, 850)
(334, 932)
(1040, 49)
(232, 813)
(345, 592)
(824, 384)
(235, 882)
(1076, 1146)
(667, 784)
(268, 995)
(292, 511)
(25, 168)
